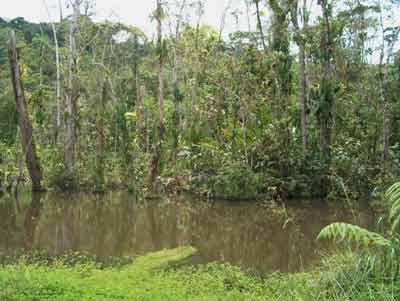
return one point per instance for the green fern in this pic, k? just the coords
(342, 232)
(393, 197)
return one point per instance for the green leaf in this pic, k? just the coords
(347, 233)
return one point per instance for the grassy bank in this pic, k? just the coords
(156, 276)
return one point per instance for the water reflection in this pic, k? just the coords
(251, 235)
(8, 224)
(31, 220)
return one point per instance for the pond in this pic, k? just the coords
(261, 236)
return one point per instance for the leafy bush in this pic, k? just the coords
(207, 157)
(237, 182)
(55, 170)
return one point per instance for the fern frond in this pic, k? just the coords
(393, 197)
(342, 232)
(395, 223)
(393, 193)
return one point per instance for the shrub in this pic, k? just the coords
(236, 182)
(55, 169)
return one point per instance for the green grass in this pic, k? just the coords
(156, 276)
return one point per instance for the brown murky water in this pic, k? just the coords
(253, 235)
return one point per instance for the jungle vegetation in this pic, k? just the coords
(305, 105)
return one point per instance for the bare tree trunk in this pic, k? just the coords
(257, 3)
(72, 95)
(302, 98)
(58, 76)
(176, 101)
(58, 82)
(27, 140)
(101, 141)
(61, 11)
(160, 96)
(223, 18)
(248, 15)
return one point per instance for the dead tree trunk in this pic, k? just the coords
(27, 140)
(101, 137)
(58, 78)
(176, 101)
(58, 83)
(61, 11)
(72, 96)
(259, 24)
(302, 98)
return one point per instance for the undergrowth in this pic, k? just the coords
(156, 277)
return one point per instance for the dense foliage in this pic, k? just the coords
(233, 117)
(304, 105)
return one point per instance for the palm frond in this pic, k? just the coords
(347, 233)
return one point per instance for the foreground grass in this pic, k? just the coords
(151, 277)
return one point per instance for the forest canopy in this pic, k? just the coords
(304, 105)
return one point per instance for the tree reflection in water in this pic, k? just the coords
(32, 217)
(265, 238)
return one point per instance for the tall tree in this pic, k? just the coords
(27, 139)
(175, 78)
(300, 40)
(259, 24)
(159, 14)
(72, 93)
(325, 110)
(282, 75)
(58, 72)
